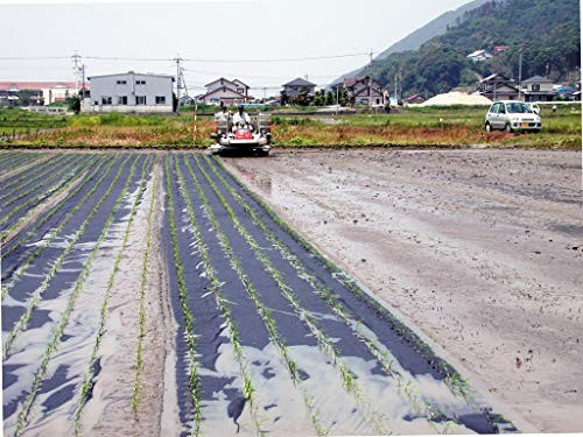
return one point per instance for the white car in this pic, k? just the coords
(512, 115)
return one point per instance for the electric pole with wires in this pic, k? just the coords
(76, 69)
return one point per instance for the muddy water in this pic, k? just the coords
(481, 250)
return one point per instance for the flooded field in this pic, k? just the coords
(153, 294)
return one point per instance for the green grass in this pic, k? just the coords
(432, 126)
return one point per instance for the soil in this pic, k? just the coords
(478, 250)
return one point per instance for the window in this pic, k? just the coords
(140, 82)
(241, 90)
(106, 100)
(536, 87)
(140, 100)
(122, 100)
(160, 100)
(122, 82)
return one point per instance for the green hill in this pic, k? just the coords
(547, 31)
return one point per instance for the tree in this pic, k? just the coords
(74, 104)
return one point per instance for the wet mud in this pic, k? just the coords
(477, 250)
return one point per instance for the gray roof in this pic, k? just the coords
(300, 82)
(134, 73)
(537, 79)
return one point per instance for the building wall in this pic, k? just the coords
(131, 87)
(295, 90)
(225, 95)
(542, 87)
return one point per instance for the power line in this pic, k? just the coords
(207, 61)
(233, 61)
(33, 58)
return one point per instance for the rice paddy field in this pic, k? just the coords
(151, 293)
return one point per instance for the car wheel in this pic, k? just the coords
(509, 128)
(488, 128)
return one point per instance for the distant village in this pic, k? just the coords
(134, 92)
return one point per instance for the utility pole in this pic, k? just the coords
(76, 58)
(337, 91)
(370, 80)
(83, 81)
(178, 61)
(520, 75)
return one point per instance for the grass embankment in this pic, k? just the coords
(431, 127)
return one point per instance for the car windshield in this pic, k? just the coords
(518, 108)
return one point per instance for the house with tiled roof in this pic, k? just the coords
(498, 87)
(299, 86)
(228, 92)
(364, 91)
(538, 89)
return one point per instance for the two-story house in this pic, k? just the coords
(538, 89)
(364, 91)
(498, 87)
(229, 92)
(299, 86)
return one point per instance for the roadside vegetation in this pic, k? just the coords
(454, 126)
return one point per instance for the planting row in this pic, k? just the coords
(152, 293)
(278, 339)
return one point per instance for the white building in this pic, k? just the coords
(47, 92)
(130, 92)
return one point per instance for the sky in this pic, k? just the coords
(38, 37)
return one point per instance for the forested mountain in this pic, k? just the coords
(432, 29)
(547, 32)
(416, 39)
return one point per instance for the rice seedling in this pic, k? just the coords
(31, 176)
(48, 214)
(215, 286)
(58, 188)
(37, 294)
(78, 286)
(376, 349)
(194, 380)
(142, 311)
(87, 385)
(48, 239)
(69, 162)
(325, 344)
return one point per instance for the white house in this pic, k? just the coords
(480, 56)
(229, 92)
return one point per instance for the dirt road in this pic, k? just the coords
(480, 250)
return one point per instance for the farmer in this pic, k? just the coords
(241, 118)
(223, 114)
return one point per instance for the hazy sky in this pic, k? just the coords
(211, 30)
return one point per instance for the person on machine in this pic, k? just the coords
(241, 118)
(223, 114)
